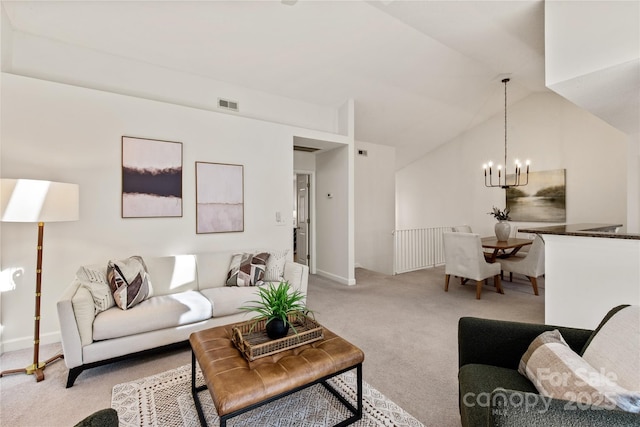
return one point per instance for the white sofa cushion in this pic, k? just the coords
(172, 274)
(228, 299)
(159, 312)
(213, 268)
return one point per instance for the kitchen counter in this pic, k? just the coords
(610, 231)
(589, 269)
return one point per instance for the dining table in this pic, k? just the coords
(503, 248)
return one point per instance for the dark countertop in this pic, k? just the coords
(610, 231)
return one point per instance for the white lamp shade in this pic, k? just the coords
(29, 200)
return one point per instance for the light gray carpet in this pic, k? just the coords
(406, 325)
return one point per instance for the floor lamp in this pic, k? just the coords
(27, 200)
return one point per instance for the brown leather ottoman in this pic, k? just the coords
(237, 385)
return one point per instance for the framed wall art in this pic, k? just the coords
(219, 197)
(151, 178)
(543, 199)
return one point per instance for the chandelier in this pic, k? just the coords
(503, 182)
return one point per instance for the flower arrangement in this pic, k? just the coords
(500, 215)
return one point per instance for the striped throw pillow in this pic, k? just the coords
(560, 373)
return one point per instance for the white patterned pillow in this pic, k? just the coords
(275, 266)
(92, 274)
(95, 281)
(129, 281)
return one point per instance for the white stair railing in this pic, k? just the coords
(418, 248)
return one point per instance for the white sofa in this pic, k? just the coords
(187, 294)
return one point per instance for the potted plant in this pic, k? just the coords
(502, 228)
(275, 305)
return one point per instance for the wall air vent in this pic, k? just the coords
(305, 149)
(228, 104)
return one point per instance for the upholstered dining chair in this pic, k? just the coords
(532, 265)
(518, 234)
(464, 258)
(462, 228)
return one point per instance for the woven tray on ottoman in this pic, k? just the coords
(252, 340)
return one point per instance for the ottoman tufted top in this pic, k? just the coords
(235, 383)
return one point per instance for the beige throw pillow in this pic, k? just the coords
(615, 348)
(559, 372)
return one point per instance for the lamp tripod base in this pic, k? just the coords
(33, 369)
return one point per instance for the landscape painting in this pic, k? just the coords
(151, 178)
(219, 198)
(543, 199)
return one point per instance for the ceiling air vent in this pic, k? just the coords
(228, 104)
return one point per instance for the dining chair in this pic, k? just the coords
(463, 257)
(531, 265)
(462, 228)
(525, 249)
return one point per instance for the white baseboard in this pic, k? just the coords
(339, 279)
(27, 342)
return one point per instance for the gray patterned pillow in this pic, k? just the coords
(247, 269)
(129, 281)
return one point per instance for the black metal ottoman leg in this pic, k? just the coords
(195, 390)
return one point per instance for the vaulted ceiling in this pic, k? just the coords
(421, 72)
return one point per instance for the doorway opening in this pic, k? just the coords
(302, 219)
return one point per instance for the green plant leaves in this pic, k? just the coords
(277, 302)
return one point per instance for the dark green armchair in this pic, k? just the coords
(103, 418)
(493, 393)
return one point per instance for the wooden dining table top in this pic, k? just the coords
(512, 243)
(501, 247)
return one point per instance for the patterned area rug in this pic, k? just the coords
(165, 400)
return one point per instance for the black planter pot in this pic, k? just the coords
(276, 328)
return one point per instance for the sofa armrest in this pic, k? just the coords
(297, 275)
(502, 343)
(510, 408)
(69, 328)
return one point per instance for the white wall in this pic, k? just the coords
(334, 259)
(374, 206)
(303, 161)
(50, 60)
(592, 58)
(72, 134)
(447, 188)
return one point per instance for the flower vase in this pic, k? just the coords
(502, 229)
